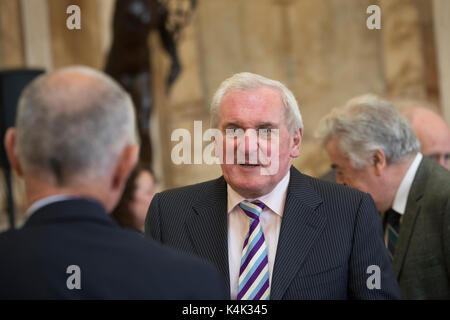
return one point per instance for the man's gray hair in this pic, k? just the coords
(368, 123)
(250, 81)
(73, 122)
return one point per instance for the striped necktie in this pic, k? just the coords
(392, 230)
(254, 271)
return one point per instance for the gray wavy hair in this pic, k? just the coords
(367, 123)
(72, 122)
(250, 81)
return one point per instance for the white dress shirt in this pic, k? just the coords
(239, 223)
(401, 197)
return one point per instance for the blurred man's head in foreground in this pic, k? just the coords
(74, 135)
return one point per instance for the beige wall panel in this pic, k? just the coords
(37, 34)
(188, 87)
(404, 65)
(236, 36)
(441, 9)
(337, 57)
(11, 40)
(221, 53)
(82, 46)
(429, 52)
(106, 12)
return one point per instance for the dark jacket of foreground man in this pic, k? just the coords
(114, 263)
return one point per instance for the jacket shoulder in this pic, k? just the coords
(433, 182)
(438, 181)
(193, 191)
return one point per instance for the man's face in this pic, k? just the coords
(438, 148)
(362, 179)
(433, 134)
(260, 117)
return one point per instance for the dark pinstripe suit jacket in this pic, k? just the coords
(329, 236)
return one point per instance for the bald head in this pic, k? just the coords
(73, 89)
(432, 132)
(73, 123)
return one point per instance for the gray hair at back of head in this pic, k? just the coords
(250, 81)
(368, 123)
(69, 133)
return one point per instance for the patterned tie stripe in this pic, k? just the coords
(254, 270)
(392, 241)
(392, 228)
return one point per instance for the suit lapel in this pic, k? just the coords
(300, 228)
(413, 206)
(207, 227)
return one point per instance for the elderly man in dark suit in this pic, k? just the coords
(374, 149)
(74, 146)
(273, 232)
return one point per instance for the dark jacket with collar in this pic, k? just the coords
(330, 236)
(114, 263)
(422, 256)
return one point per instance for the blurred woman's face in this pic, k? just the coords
(143, 195)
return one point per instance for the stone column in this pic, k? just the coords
(441, 10)
(36, 34)
(11, 46)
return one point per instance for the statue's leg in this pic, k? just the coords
(143, 100)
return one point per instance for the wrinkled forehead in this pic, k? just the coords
(251, 106)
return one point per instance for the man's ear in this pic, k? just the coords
(379, 161)
(297, 141)
(10, 147)
(127, 161)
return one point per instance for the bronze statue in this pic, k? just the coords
(129, 57)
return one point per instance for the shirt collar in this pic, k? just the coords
(274, 200)
(401, 197)
(46, 201)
